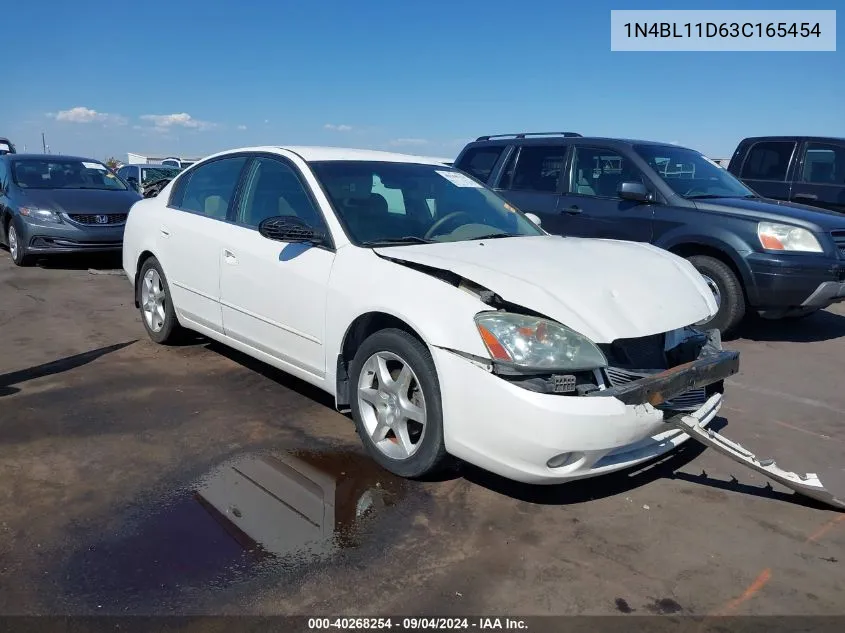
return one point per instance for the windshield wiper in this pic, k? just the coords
(704, 196)
(393, 241)
(493, 236)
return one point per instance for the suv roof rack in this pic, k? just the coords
(524, 134)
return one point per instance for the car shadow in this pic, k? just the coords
(82, 261)
(54, 367)
(817, 327)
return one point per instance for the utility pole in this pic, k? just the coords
(43, 143)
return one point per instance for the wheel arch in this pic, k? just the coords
(362, 327)
(721, 251)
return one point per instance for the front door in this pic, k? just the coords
(273, 294)
(592, 202)
(189, 241)
(820, 179)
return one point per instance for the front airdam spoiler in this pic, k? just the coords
(808, 484)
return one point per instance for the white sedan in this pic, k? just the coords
(444, 318)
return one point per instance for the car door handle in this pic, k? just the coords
(805, 196)
(229, 256)
(573, 210)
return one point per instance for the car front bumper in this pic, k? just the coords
(795, 282)
(46, 238)
(514, 432)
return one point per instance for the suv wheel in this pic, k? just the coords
(726, 289)
(396, 405)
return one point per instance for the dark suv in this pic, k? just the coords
(779, 258)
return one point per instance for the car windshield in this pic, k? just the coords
(383, 203)
(63, 173)
(690, 174)
(151, 174)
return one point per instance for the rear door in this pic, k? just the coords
(766, 168)
(591, 201)
(480, 160)
(820, 176)
(531, 180)
(190, 238)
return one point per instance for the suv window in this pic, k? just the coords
(824, 164)
(768, 160)
(479, 161)
(272, 189)
(210, 187)
(599, 172)
(538, 168)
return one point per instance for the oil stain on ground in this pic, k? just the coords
(268, 513)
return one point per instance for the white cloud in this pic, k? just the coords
(337, 128)
(182, 119)
(81, 114)
(241, 127)
(409, 141)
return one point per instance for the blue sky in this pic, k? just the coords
(191, 77)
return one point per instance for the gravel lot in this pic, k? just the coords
(104, 437)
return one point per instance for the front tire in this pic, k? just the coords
(156, 305)
(396, 404)
(17, 249)
(726, 289)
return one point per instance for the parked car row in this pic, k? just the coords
(781, 259)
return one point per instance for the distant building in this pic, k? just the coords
(175, 161)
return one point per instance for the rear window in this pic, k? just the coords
(768, 160)
(479, 161)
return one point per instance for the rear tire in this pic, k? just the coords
(156, 305)
(394, 383)
(730, 297)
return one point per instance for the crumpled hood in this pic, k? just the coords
(604, 289)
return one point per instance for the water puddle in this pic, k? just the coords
(280, 511)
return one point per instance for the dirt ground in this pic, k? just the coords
(107, 443)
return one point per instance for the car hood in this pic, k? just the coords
(81, 200)
(604, 289)
(778, 211)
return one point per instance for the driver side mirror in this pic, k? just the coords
(635, 191)
(291, 229)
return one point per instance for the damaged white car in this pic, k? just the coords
(445, 319)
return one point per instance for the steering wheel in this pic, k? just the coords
(449, 216)
(695, 192)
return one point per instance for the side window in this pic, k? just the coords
(394, 197)
(768, 160)
(824, 164)
(272, 189)
(599, 172)
(212, 186)
(479, 161)
(538, 168)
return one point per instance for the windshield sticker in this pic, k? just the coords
(510, 208)
(110, 175)
(94, 166)
(458, 179)
(5, 148)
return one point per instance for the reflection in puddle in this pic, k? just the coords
(278, 510)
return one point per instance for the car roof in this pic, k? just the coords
(315, 153)
(53, 157)
(793, 137)
(575, 140)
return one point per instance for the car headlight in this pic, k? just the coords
(784, 237)
(537, 343)
(45, 215)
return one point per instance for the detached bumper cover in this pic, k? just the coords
(657, 389)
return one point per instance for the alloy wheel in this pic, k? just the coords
(152, 300)
(392, 405)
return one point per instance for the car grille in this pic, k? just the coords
(839, 239)
(688, 401)
(98, 218)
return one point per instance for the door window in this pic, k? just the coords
(768, 160)
(479, 161)
(538, 168)
(599, 172)
(211, 187)
(824, 164)
(273, 189)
